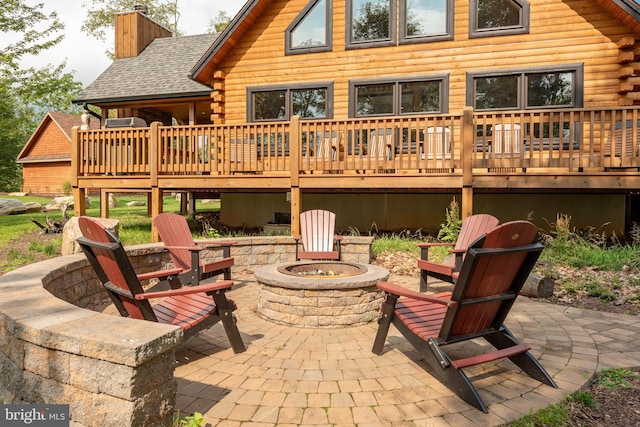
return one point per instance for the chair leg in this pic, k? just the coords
(225, 311)
(454, 379)
(424, 285)
(525, 361)
(383, 324)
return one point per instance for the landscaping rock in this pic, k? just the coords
(71, 233)
(12, 206)
(136, 203)
(57, 203)
(33, 207)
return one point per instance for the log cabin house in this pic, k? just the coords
(379, 110)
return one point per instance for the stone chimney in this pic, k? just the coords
(134, 31)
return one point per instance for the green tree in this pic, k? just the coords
(26, 93)
(101, 15)
(219, 23)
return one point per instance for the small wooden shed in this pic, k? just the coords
(46, 157)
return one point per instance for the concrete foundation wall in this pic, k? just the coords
(397, 212)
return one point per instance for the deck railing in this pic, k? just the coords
(574, 140)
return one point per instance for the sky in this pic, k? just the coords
(86, 55)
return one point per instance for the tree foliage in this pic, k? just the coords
(219, 23)
(101, 15)
(26, 93)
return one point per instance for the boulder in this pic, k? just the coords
(58, 202)
(71, 232)
(33, 207)
(113, 202)
(136, 203)
(12, 206)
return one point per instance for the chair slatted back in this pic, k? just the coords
(317, 229)
(380, 141)
(113, 268)
(474, 227)
(174, 231)
(493, 273)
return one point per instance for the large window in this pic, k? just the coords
(280, 103)
(311, 30)
(498, 17)
(426, 20)
(403, 96)
(513, 90)
(373, 22)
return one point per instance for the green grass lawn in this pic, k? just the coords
(135, 224)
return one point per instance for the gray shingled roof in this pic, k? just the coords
(159, 72)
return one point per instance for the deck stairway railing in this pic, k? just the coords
(572, 140)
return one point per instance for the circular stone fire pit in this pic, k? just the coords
(320, 293)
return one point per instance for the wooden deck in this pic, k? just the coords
(578, 149)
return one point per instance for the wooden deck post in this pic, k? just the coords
(466, 154)
(296, 159)
(156, 209)
(79, 194)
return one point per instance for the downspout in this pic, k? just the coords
(94, 114)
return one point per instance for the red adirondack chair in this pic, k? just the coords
(185, 252)
(493, 272)
(192, 308)
(318, 236)
(472, 228)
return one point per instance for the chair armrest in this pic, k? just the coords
(404, 292)
(338, 237)
(428, 245)
(159, 274)
(186, 290)
(296, 238)
(424, 248)
(187, 248)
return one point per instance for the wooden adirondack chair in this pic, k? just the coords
(494, 271)
(472, 228)
(185, 252)
(193, 308)
(317, 239)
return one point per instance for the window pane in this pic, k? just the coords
(549, 89)
(496, 92)
(309, 102)
(426, 17)
(419, 97)
(374, 99)
(370, 20)
(312, 30)
(269, 105)
(498, 14)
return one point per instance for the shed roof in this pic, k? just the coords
(65, 122)
(159, 72)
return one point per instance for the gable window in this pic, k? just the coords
(426, 20)
(311, 30)
(372, 23)
(280, 103)
(498, 17)
(403, 96)
(526, 89)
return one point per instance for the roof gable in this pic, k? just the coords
(626, 11)
(159, 72)
(64, 123)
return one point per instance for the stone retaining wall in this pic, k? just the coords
(112, 371)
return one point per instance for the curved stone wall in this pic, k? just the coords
(112, 371)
